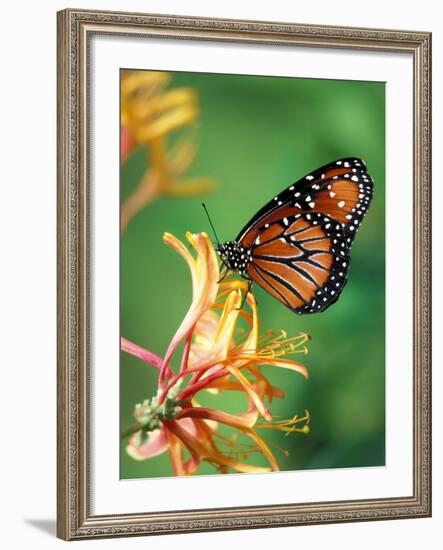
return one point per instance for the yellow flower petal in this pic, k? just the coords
(182, 155)
(205, 274)
(228, 320)
(138, 81)
(251, 342)
(170, 121)
(161, 104)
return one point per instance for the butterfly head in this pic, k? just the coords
(234, 256)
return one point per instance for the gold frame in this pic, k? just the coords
(74, 519)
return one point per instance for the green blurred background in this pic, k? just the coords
(256, 136)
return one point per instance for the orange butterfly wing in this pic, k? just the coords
(300, 241)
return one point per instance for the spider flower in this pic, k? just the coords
(149, 114)
(219, 355)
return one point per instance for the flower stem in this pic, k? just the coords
(132, 429)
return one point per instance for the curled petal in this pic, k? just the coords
(218, 416)
(179, 247)
(269, 390)
(228, 320)
(284, 363)
(205, 275)
(252, 394)
(265, 449)
(251, 342)
(156, 445)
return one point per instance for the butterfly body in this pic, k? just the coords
(297, 247)
(235, 257)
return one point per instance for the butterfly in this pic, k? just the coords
(297, 247)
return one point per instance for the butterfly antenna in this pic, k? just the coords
(212, 225)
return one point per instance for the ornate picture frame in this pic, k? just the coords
(76, 519)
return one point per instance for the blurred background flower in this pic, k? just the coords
(150, 113)
(214, 358)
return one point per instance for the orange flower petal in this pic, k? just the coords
(175, 453)
(283, 363)
(265, 449)
(218, 416)
(261, 407)
(251, 342)
(197, 449)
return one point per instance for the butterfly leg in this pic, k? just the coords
(223, 275)
(250, 281)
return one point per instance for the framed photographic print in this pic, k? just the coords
(244, 274)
